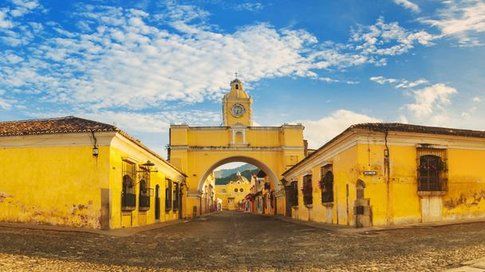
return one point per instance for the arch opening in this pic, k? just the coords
(247, 186)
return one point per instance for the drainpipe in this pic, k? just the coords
(387, 170)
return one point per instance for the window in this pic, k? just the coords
(168, 195)
(241, 190)
(326, 184)
(128, 197)
(307, 190)
(144, 197)
(176, 194)
(235, 190)
(430, 173)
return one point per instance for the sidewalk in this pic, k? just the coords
(123, 232)
(351, 229)
(471, 266)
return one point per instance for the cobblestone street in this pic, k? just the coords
(236, 241)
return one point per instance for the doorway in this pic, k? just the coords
(157, 202)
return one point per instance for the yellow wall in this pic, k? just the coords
(207, 148)
(125, 150)
(225, 192)
(394, 198)
(55, 179)
(52, 184)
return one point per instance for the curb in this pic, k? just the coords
(122, 232)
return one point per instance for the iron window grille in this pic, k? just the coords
(432, 170)
(144, 197)
(128, 196)
(326, 185)
(307, 190)
(168, 195)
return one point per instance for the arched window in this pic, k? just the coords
(430, 172)
(327, 187)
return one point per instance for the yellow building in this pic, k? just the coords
(197, 151)
(233, 193)
(388, 174)
(78, 172)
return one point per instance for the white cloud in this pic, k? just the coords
(23, 7)
(4, 20)
(318, 132)
(408, 5)
(388, 39)
(431, 99)
(398, 83)
(250, 6)
(461, 19)
(129, 58)
(5, 104)
(477, 99)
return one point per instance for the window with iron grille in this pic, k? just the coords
(144, 194)
(176, 194)
(326, 184)
(168, 195)
(307, 190)
(432, 170)
(128, 196)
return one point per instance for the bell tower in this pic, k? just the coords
(236, 106)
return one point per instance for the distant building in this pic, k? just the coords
(381, 174)
(233, 193)
(77, 172)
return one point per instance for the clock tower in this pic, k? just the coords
(236, 106)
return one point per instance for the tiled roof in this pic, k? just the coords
(69, 124)
(398, 127)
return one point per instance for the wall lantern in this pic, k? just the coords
(95, 151)
(147, 165)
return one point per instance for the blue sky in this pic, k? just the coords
(143, 65)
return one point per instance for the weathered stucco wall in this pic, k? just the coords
(393, 194)
(52, 184)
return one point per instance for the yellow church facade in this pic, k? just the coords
(233, 193)
(391, 174)
(197, 151)
(76, 172)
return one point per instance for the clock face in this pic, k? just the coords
(238, 110)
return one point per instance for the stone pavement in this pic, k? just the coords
(471, 266)
(236, 241)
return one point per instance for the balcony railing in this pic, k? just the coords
(128, 201)
(144, 204)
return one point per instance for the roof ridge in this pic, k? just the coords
(39, 119)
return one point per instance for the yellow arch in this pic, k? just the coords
(246, 159)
